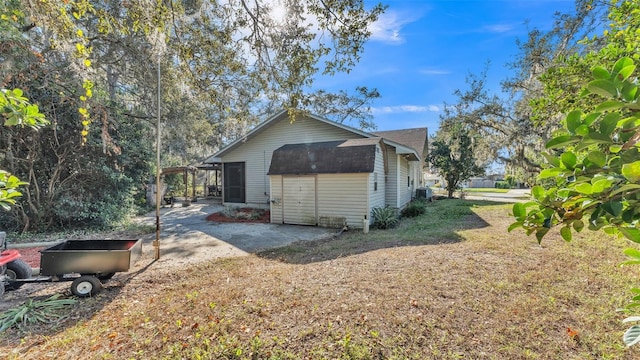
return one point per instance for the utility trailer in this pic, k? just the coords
(86, 263)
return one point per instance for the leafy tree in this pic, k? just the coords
(593, 169)
(343, 106)
(505, 131)
(591, 174)
(563, 76)
(71, 184)
(514, 124)
(92, 68)
(237, 54)
(16, 110)
(452, 154)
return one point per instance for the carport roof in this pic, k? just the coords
(331, 157)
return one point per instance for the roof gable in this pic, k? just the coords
(411, 142)
(282, 115)
(414, 138)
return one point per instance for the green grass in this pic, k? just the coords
(440, 223)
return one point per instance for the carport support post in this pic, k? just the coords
(193, 185)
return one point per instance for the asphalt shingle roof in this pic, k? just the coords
(414, 138)
(331, 157)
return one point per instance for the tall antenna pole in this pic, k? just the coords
(156, 243)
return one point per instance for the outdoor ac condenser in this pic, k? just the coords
(424, 193)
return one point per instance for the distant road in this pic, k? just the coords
(514, 195)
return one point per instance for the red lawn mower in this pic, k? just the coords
(12, 267)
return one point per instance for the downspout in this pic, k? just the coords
(264, 171)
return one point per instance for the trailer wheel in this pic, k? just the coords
(85, 286)
(16, 270)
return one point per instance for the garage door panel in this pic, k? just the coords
(299, 200)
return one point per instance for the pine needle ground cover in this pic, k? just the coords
(451, 283)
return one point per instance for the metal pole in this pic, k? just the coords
(156, 243)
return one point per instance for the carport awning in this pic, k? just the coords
(332, 157)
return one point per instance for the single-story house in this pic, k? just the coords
(479, 182)
(314, 171)
(431, 179)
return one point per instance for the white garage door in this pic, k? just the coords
(299, 200)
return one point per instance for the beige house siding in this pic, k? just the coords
(391, 179)
(339, 198)
(327, 198)
(377, 196)
(257, 153)
(404, 190)
(343, 195)
(416, 171)
(399, 190)
(420, 174)
(299, 200)
(276, 198)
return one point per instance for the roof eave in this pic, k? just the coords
(245, 137)
(412, 155)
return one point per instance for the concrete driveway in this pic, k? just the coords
(186, 234)
(186, 238)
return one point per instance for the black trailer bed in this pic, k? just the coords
(90, 257)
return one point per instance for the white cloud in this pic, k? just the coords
(435, 72)
(388, 27)
(405, 109)
(498, 28)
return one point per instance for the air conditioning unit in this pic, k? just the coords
(424, 193)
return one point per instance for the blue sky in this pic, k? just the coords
(422, 50)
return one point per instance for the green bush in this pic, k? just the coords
(230, 211)
(415, 208)
(256, 214)
(503, 185)
(511, 180)
(243, 214)
(34, 312)
(384, 217)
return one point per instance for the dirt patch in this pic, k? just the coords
(242, 215)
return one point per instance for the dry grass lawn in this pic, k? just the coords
(449, 284)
